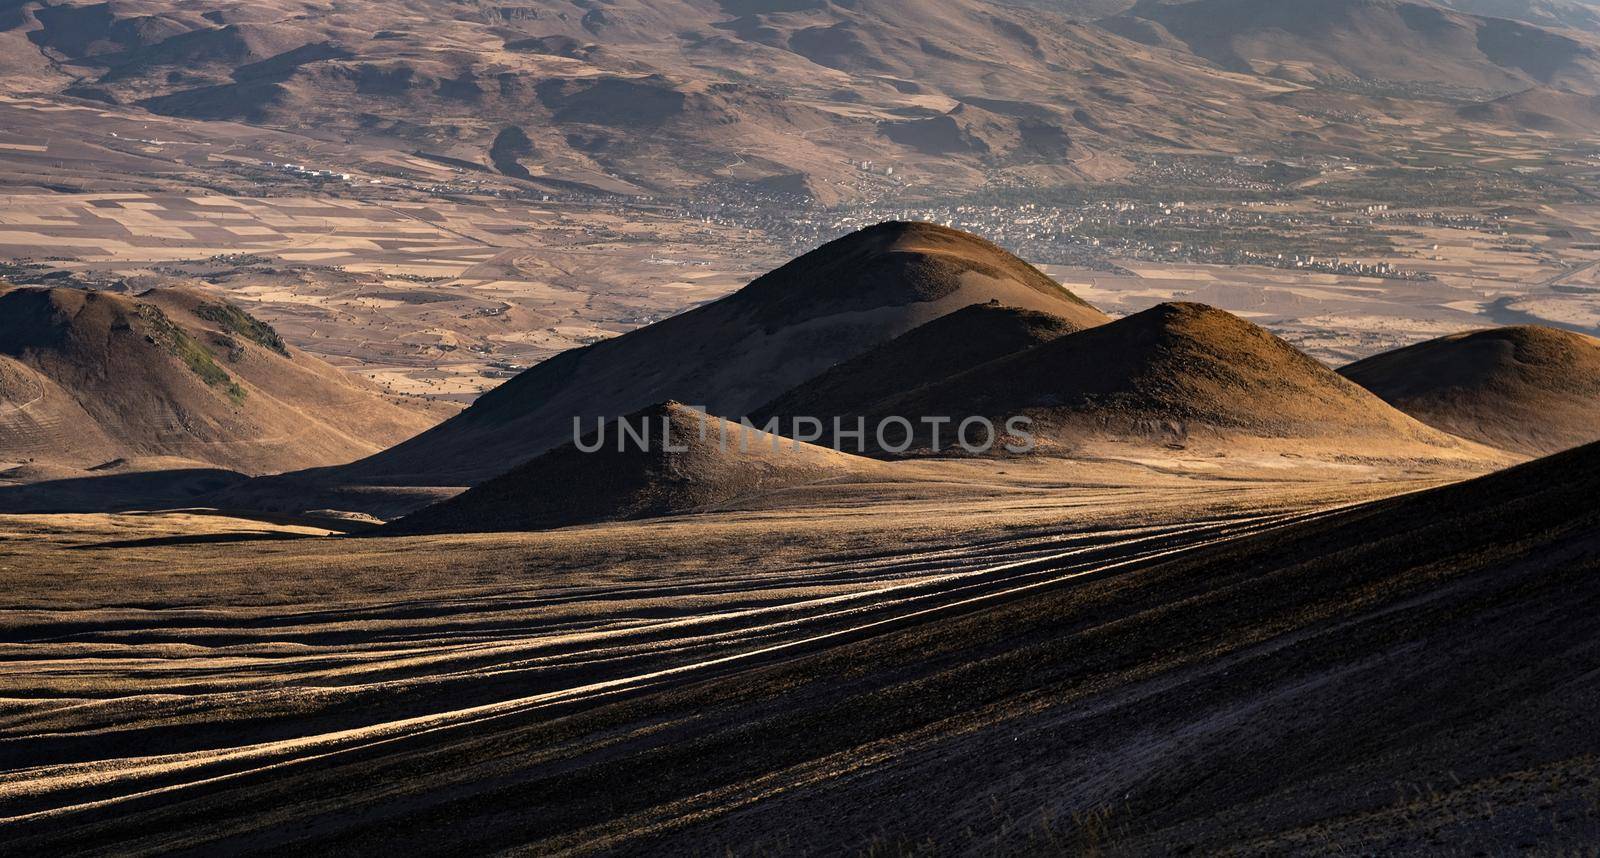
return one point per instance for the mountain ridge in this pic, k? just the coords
(785, 100)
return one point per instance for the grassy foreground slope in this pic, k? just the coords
(1395, 676)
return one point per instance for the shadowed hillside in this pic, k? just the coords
(784, 99)
(1526, 389)
(1574, 14)
(1171, 374)
(1540, 109)
(938, 350)
(621, 97)
(1264, 696)
(681, 461)
(1379, 40)
(735, 354)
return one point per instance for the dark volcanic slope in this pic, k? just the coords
(687, 461)
(938, 350)
(1268, 695)
(1170, 371)
(87, 377)
(735, 354)
(1379, 680)
(1526, 389)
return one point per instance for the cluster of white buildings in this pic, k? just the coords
(305, 172)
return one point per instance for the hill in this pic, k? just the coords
(992, 137)
(1393, 41)
(680, 461)
(1173, 374)
(942, 348)
(1543, 109)
(1529, 390)
(1557, 14)
(90, 377)
(145, 483)
(733, 355)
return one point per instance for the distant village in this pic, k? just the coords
(1260, 228)
(1093, 235)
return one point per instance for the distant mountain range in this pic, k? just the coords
(785, 98)
(1574, 14)
(1371, 40)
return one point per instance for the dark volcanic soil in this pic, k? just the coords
(675, 461)
(1399, 676)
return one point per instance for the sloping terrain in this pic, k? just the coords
(1540, 109)
(1373, 40)
(1173, 374)
(1266, 696)
(733, 355)
(942, 348)
(989, 136)
(1560, 14)
(774, 100)
(1376, 679)
(678, 461)
(145, 483)
(661, 94)
(769, 99)
(89, 377)
(1530, 390)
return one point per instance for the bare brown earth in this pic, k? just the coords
(1530, 390)
(1084, 657)
(943, 347)
(1177, 377)
(1541, 109)
(420, 290)
(732, 355)
(1377, 40)
(1177, 374)
(662, 460)
(144, 483)
(104, 380)
(1230, 611)
(640, 95)
(1559, 14)
(420, 254)
(785, 99)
